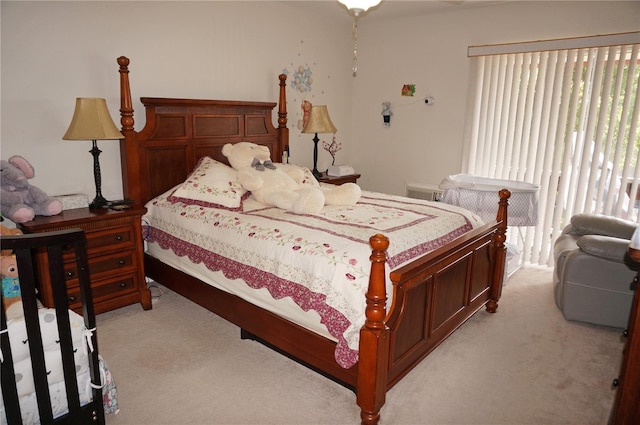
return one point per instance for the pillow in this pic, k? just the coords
(211, 184)
(302, 175)
(309, 178)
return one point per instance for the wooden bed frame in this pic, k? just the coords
(432, 296)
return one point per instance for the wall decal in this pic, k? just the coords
(302, 79)
(306, 80)
(306, 110)
(408, 89)
(386, 114)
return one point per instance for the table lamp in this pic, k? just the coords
(92, 121)
(319, 122)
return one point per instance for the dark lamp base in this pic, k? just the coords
(98, 202)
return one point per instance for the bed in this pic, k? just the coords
(51, 370)
(407, 310)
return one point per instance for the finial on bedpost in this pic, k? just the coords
(126, 108)
(499, 251)
(376, 294)
(504, 195)
(374, 338)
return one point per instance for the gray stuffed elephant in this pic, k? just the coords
(19, 200)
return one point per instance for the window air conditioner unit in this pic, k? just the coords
(429, 192)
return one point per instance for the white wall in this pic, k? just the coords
(424, 143)
(53, 52)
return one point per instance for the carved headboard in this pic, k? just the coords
(178, 132)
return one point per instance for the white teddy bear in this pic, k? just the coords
(284, 186)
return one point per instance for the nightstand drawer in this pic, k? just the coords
(104, 289)
(117, 239)
(114, 263)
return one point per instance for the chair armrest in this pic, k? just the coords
(607, 247)
(594, 224)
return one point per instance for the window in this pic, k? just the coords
(562, 114)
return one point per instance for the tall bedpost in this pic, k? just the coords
(129, 156)
(374, 338)
(283, 130)
(126, 106)
(499, 251)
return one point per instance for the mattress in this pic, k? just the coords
(310, 269)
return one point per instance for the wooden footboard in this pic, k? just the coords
(432, 297)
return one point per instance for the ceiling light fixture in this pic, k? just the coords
(356, 7)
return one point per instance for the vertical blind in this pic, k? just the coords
(563, 115)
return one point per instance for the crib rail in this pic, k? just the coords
(56, 245)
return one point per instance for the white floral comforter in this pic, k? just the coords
(320, 261)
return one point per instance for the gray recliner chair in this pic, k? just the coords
(591, 278)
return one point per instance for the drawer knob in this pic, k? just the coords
(121, 262)
(72, 298)
(615, 383)
(119, 238)
(123, 285)
(70, 274)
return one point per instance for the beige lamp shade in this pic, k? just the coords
(92, 121)
(319, 121)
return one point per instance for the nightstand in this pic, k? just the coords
(115, 252)
(351, 178)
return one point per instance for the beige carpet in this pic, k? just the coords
(180, 364)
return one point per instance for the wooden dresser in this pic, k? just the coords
(115, 252)
(626, 407)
